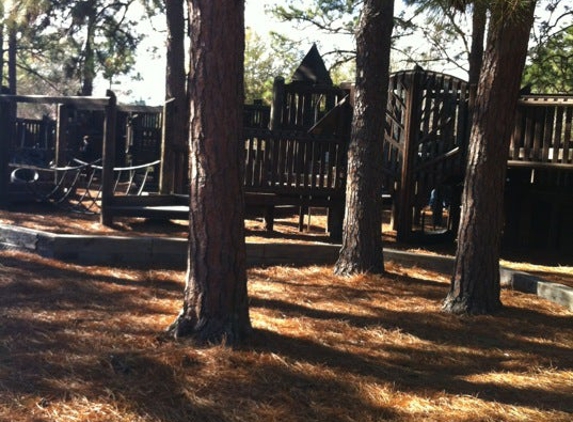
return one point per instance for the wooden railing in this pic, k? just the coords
(256, 115)
(37, 134)
(294, 163)
(299, 106)
(543, 134)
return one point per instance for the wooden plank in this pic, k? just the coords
(257, 161)
(93, 103)
(280, 169)
(547, 139)
(517, 140)
(567, 141)
(249, 178)
(558, 134)
(330, 169)
(289, 159)
(539, 165)
(538, 133)
(406, 191)
(261, 157)
(6, 130)
(545, 100)
(108, 161)
(307, 164)
(274, 165)
(174, 212)
(149, 200)
(529, 134)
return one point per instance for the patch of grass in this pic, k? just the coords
(81, 343)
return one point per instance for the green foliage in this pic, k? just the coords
(445, 28)
(260, 68)
(266, 60)
(437, 33)
(344, 72)
(550, 66)
(334, 16)
(327, 17)
(64, 44)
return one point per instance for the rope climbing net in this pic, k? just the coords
(77, 187)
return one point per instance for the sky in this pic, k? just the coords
(151, 88)
(151, 66)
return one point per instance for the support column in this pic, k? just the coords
(407, 182)
(108, 160)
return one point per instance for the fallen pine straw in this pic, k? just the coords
(84, 344)
(46, 217)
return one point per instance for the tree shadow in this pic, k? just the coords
(420, 379)
(66, 332)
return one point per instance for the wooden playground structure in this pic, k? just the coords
(295, 155)
(425, 145)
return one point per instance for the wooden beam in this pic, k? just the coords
(539, 165)
(108, 161)
(84, 103)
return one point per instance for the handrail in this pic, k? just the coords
(138, 167)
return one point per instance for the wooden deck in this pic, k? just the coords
(280, 169)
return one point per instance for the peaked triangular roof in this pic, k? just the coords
(312, 69)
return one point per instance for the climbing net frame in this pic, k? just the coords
(77, 187)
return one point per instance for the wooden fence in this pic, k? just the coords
(294, 163)
(280, 168)
(425, 146)
(299, 105)
(543, 132)
(425, 141)
(539, 192)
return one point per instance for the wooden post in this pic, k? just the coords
(335, 221)
(108, 160)
(275, 123)
(6, 129)
(63, 118)
(278, 103)
(168, 165)
(412, 128)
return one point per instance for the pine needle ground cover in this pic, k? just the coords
(85, 343)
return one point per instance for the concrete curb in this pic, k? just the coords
(172, 252)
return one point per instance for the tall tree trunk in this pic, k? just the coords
(12, 54)
(362, 236)
(2, 26)
(475, 286)
(176, 144)
(479, 20)
(215, 307)
(88, 70)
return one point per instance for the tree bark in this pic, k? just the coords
(88, 68)
(215, 307)
(12, 54)
(475, 284)
(176, 144)
(362, 233)
(479, 20)
(2, 27)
